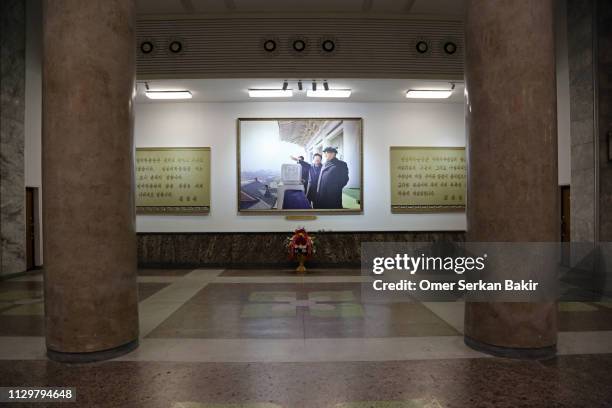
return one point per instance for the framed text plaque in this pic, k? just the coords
(173, 180)
(428, 179)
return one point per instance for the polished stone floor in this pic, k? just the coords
(270, 339)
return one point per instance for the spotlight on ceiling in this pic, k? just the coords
(314, 86)
(270, 93)
(429, 93)
(168, 94)
(300, 87)
(328, 45)
(269, 45)
(450, 47)
(146, 47)
(326, 86)
(175, 47)
(299, 45)
(285, 85)
(331, 93)
(422, 47)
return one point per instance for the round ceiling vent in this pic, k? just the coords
(299, 45)
(146, 47)
(450, 47)
(175, 47)
(328, 45)
(422, 47)
(269, 45)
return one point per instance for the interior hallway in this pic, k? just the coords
(268, 338)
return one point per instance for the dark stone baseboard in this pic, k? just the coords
(34, 271)
(543, 353)
(266, 249)
(77, 358)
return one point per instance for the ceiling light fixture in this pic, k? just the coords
(314, 86)
(146, 47)
(450, 47)
(270, 93)
(422, 47)
(326, 85)
(285, 85)
(175, 47)
(429, 93)
(269, 45)
(168, 94)
(300, 85)
(328, 45)
(331, 93)
(299, 45)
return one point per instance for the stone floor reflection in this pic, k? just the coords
(270, 339)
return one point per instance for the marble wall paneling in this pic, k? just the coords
(265, 249)
(605, 118)
(12, 111)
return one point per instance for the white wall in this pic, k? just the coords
(385, 124)
(33, 109)
(191, 124)
(563, 95)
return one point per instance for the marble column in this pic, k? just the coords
(12, 137)
(604, 60)
(91, 303)
(512, 150)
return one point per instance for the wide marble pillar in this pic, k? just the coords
(91, 304)
(512, 150)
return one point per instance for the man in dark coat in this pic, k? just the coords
(313, 177)
(334, 176)
(305, 170)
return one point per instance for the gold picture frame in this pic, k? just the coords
(441, 174)
(356, 196)
(164, 178)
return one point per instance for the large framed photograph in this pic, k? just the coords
(303, 165)
(173, 180)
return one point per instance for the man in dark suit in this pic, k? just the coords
(305, 170)
(333, 177)
(313, 177)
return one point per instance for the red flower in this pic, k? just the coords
(300, 244)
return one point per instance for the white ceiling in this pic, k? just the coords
(236, 90)
(394, 7)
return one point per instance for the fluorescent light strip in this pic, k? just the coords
(270, 93)
(429, 94)
(332, 93)
(168, 94)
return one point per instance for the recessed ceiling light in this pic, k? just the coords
(332, 93)
(429, 94)
(146, 47)
(422, 47)
(328, 45)
(299, 45)
(269, 45)
(450, 47)
(168, 94)
(270, 93)
(175, 47)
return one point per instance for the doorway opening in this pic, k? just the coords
(32, 227)
(565, 224)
